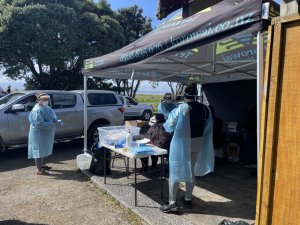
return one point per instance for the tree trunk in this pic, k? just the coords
(32, 68)
(125, 87)
(179, 89)
(172, 89)
(136, 88)
(131, 88)
(118, 83)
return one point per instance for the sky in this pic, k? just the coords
(149, 9)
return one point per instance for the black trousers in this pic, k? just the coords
(145, 160)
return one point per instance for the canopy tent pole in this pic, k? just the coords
(132, 74)
(85, 113)
(259, 80)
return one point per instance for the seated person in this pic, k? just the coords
(158, 137)
(31, 102)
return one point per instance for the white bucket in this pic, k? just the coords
(84, 161)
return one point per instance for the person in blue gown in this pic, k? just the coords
(42, 121)
(191, 151)
(166, 106)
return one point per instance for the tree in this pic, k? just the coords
(134, 25)
(177, 90)
(46, 41)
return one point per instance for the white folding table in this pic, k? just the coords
(129, 155)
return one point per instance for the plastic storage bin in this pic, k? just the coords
(116, 135)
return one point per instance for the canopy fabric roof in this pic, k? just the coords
(215, 45)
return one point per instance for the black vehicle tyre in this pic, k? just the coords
(2, 145)
(93, 134)
(147, 114)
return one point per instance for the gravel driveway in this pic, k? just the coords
(63, 197)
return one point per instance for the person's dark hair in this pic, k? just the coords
(191, 91)
(160, 118)
(167, 94)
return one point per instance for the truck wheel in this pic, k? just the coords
(2, 145)
(93, 135)
(147, 114)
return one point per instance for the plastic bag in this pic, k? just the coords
(228, 222)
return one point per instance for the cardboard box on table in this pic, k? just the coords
(136, 123)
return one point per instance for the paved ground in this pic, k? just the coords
(64, 197)
(228, 193)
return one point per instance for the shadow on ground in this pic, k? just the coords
(228, 192)
(61, 152)
(17, 222)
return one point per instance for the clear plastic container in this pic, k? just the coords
(116, 135)
(84, 161)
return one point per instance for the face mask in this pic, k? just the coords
(45, 103)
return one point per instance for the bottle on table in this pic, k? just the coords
(129, 139)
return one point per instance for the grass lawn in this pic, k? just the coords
(153, 100)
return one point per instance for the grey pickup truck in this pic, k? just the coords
(104, 109)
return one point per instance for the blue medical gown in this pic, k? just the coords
(165, 108)
(180, 151)
(42, 131)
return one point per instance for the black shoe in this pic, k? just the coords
(171, 208)
(47, 167)
(186, 203)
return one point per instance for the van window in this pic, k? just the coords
(122, 99)
(10, 98)
(61, 101)
(102, 99)
(130, 101)
(28, 102)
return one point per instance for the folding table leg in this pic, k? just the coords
(135, 190)
(127, 168)
(162, 177)
(104, 164)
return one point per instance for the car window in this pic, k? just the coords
(130, 101)
(102, 99)
(122, 99)
(10, 98)
(28, 102)
(61, 101)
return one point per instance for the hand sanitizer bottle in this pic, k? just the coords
(129, 139)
